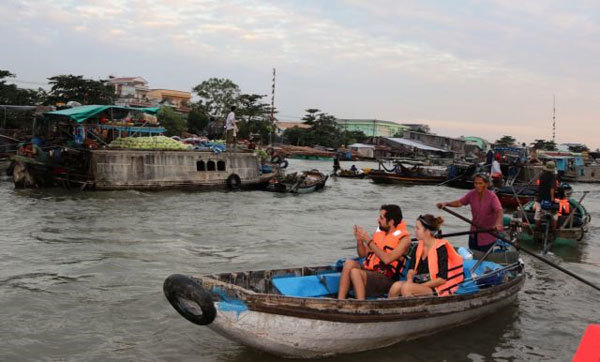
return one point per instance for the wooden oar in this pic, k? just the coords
(526, 251)
(452, 179)
(459, 233)
(521, 210)
(570, 218)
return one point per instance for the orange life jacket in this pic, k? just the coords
(564, 208)
(387, 243)
(455, 266)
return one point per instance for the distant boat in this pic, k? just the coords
(415, 175)
(298, 183)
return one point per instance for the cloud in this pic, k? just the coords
(498, 60)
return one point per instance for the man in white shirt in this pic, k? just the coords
(231, 128)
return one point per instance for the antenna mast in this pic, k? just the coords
(553, 118)
(272, 109)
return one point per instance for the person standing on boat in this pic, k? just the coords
(489, 157)
(336, 164)
(496, 171)
(383, 253)
(486, 211)
(438, 267)
(231, 128)
(546, 188)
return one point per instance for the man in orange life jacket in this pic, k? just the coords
(383, 253)
(438, 267)
(564, 208)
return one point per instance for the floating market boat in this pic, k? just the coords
(460, 175)
(571, 228)
(298, 183)
(294, 312)
(418, 174)
(113, 156)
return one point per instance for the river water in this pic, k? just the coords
(81, 273)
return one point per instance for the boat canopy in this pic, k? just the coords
(82, 113)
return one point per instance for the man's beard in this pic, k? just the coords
(384, 228)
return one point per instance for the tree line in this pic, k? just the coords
(538, 144)
(215, 97)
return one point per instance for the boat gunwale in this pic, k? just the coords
(361, 311)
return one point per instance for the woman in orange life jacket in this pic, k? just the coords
(438, 267)
(383, 253)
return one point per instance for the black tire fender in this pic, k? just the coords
(283, 164)
(186, 295)
(234, 182)
(582, 234)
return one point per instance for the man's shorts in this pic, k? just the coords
(377, 284)
(539, 212)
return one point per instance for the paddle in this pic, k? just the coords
(452, 179)
(570, 218)
(521, 210)
(526, 251)
(459, 233)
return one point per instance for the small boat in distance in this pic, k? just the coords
(298, 182)
(417, 174)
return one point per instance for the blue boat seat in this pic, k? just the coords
(320, 285)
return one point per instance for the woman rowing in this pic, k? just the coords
(438, 267)
(486, 211)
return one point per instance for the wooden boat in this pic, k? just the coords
(350, 174)
(460, 175)
(524, 194)
(571, 229)
(294, 312)
(298, 183)
(415, 175)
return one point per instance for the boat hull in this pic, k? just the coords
(389, 178)
(297, 337)
(249, 309)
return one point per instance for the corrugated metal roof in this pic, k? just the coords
(416, 144)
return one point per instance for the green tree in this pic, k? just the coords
(311, 116)
(173, 121)
(351, 137)
(255, 116)
(326, 132)
(197, 119)
(13, 95)
(67, 88)
(297, 136)
(506, 141)
(540, 144)
(217, 95)
(578, 148)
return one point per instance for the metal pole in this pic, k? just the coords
(272, 109)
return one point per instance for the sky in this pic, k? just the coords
(473, 68)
